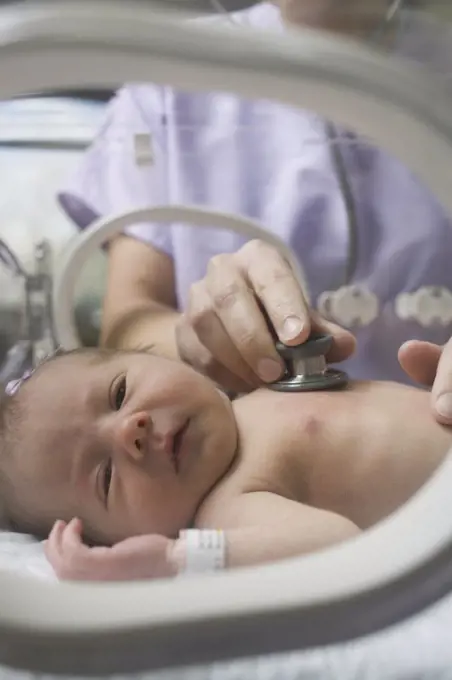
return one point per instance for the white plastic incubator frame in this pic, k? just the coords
(390, 572)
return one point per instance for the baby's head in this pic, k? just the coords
(128, 442)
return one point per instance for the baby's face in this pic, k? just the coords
(130, 444)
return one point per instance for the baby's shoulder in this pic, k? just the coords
(213, 512)
(215, 507)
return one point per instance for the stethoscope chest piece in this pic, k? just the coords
(306, 367)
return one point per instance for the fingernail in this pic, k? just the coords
(269, 370)
(444, 405)
(292, 327)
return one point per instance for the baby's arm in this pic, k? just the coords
(264, 527)
(259, 528)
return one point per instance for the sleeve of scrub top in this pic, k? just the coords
(110, 180)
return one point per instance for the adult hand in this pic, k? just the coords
(140, 557)
(225, 333)
(431, 365)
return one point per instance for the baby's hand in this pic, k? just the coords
(141, 557)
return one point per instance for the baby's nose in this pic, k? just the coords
(134, 432)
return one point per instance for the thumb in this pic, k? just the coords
(442, 387)
(420, 361)
(344, 343)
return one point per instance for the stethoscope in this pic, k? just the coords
(339, 165)
(385, 575)
(305, 365)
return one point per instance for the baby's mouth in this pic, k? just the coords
(178, 440)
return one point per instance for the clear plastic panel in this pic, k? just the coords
(359, 221)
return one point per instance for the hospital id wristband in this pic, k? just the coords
(201, 550)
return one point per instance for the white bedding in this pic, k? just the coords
(419, 649)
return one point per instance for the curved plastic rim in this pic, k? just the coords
(387, 574)
(70, 266)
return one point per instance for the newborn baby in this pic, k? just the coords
(133, 445)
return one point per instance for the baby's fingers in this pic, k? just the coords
(53, 545)
(66, 552)
(71, 538)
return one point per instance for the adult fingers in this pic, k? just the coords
(193, 352)
(344, 342)
(273, 282)
(247, 335)
(420, 361)
(442, 387)
(220, 340)
(431, 364)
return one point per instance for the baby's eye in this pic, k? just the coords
(106, 480)
(120, 393)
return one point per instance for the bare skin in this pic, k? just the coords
(282, 474)
(223, 332)
(359, 453)
(346, 17)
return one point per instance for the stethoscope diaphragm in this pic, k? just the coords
(306, 367)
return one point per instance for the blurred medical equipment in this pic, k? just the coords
(82, 247)
(40, 141)
(36, 339)
(388, 573)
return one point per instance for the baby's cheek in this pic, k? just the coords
(153, 506)
(183, 385)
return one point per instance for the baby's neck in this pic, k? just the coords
(269, 456)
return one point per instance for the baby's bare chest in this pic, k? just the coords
(272, 457)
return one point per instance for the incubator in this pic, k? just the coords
(389, 573)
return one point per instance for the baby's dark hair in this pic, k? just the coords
(15, 514)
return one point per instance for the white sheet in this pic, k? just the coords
(419, 649)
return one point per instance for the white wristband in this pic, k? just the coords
(203, 550)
